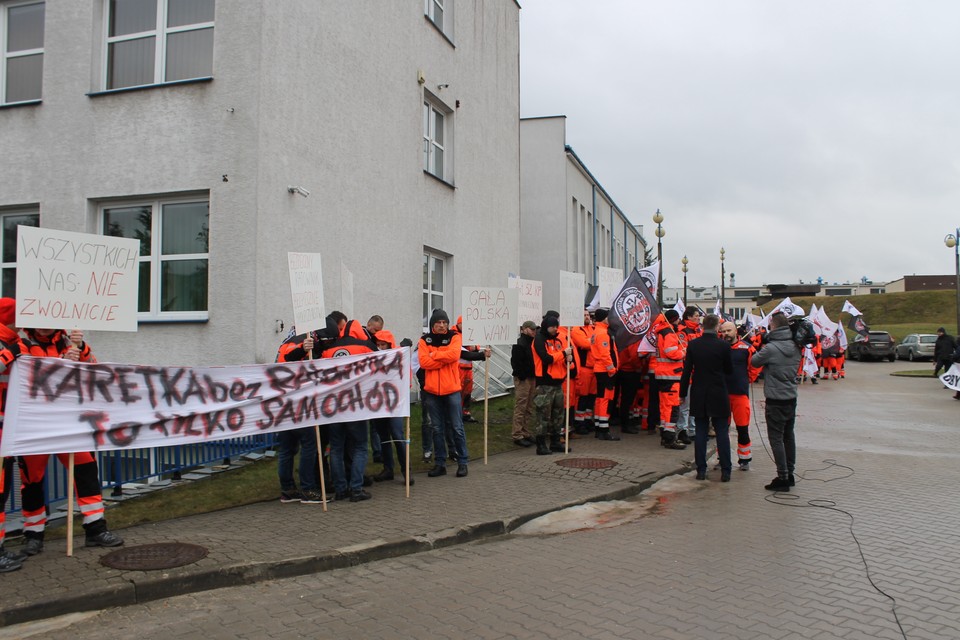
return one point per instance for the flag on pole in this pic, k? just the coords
(951, 377)
(786, 306)
(842, 337)
(857, 324)
(809, 362)
(680, 307)
(717, 311)
(849, 308)
(651, 277)
(632, 311)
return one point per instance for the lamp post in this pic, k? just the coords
(658, 218)
(952, 240)
(723, 275)
(684, 262)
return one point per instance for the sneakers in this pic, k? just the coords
(104, 539)
(778, 484)
(9, 564)
(311, 497)
(33, 546)
(461, 471)
(15, 556)
(289, 496)
(684, 437)
(357, 496)
(744, 466)
(428, 457)
(437, 471)
(469, 418)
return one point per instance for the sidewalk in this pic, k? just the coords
(272, 540)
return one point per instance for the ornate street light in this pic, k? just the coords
(723, 275)
(684, 262)
(952, 240)
(658, 218)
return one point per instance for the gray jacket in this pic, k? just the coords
(780, 359)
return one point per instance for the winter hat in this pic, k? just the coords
(550, 321)
(671, 315)
(552, 313)
(529, 324)
(8, 311)
(438, 315)
(940, 330)
(600, 314)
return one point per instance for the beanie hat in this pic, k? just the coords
(550, 321)
(600, 314)
(552, 313)
(438, 315)
(8, 311)
(671, 315)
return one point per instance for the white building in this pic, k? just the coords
(183, 123)
(568, 221)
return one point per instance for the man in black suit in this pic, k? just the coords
(707, 364)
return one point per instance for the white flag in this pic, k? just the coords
(786, 306)
(716, 309)
(951, 377)
(842, 338)
(680, 307)
(849, 308)
(822, 320)
(809, 362)
(651, 276)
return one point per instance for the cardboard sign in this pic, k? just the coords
(571, 298)
(306, 287)
(530, 301)
(610, 282)
(489, 315)
(69, 280)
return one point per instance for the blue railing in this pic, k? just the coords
(140, 465)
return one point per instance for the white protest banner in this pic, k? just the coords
(530, 304)
(610, 281)
(306, 287)
(489, 315)
(69, 280)
(951, 377)
(61, 406)
(346, 290)
(571, 298)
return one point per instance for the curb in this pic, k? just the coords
(151, 588)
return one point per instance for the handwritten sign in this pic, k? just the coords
(76, 280)
(611, 280)
(489, 315)
(306, 286)
(571, 298)
(346, 290)
(60, 406)
(530, 301)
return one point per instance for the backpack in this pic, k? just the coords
(803, 332)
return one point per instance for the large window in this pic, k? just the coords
(174, 240)
(434, 276)
(440, 13)
(21, 40)
(156, 41)
(8, 229)
(434, 122)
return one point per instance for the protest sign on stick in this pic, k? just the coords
(530, 305)
(611, 280)
(306, 288)
(571, 314)
(489, 317)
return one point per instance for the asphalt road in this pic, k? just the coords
(878, 468)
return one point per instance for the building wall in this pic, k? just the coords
(321, 95)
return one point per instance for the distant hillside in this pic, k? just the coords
(898, 313)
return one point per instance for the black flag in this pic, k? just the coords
(857, 324)
(632, 311)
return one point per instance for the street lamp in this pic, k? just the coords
(658, 218)
(723, 274)
(684, 262)
(952, 240)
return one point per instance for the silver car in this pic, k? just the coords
(917, 346)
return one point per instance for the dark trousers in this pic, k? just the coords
(722, 428)
(781, 416)
(943, 363)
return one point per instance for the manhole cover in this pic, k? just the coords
(587, 463)
(150, 557)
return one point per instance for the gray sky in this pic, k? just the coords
(814, 138)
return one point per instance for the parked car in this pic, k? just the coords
(917, 346)
(876, 346)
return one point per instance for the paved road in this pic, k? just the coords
(714, 561)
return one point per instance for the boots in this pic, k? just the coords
(542, 448)
(668, 440)
(683, 437)
(555, 444)
(604, 434)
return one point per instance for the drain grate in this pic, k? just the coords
(587, 463)
(152, 557)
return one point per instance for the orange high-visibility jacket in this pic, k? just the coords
(667, 364)
(440, 360)
(550, 366)
(581, 341)
(603, 349)
(53, 346)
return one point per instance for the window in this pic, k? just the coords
(434, 11)
(156, 41)
(21, 37)
(436, 130)
(434, 276)
(440, 14)
(174, 240)
(10, 220)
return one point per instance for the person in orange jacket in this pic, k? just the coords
(53, 343)
(551, 360)
(667, 366)
(604, 353)
(689, 330)
(10, 349)
(738, 388)
(631, 373)
(439, 359)
(586, 380)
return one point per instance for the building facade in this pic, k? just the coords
(384, 136)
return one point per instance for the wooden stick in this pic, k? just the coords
(70, 506)
(323, 482)
(486, 404)
(406, 475)
(566, 409)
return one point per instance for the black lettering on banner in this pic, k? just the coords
(282, 378)
(374, 397)
(126, 386)
(217, 391)
(170, 393)
(328, 406)
(97, 421)
(253, 391)
(391, 395)
(235, 419)
(194, 389)
(211, 421)
(99, 378)
(266, 408)
(236, 390)
(124, 433)
(160, 425)
(148, 373)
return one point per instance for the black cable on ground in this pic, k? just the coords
(830, 505)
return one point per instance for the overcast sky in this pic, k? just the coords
(814, 138)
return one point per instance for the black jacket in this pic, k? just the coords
(521, 358)
(707, 364)
(943, 349)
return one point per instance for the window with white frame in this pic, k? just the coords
(434, 277)
(440, 13)
(174, 237)
(21, 40)
(434, 11)
(437, 131)
(156, 41)
(9, 221)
